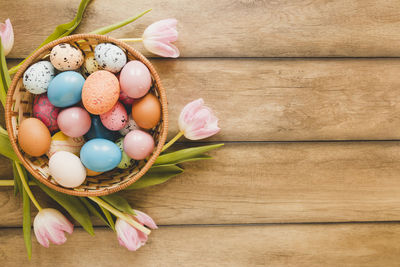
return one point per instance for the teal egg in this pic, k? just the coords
(126, 162)
(100, 155)
(66, 89)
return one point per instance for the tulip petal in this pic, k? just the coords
(145, 219)
(127, 235)
(161, 49)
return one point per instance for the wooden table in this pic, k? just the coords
(308, 97)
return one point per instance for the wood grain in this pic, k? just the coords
(289, 99)
(269, 245)
(245, 28)
(271, 183)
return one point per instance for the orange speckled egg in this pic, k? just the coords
(100, 92)
(34, 137)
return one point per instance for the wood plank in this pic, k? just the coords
(269, 245)
(247, 28)
(270, 183)
(289, 99)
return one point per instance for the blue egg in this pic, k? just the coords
(66, 89)
(100, 155)
(97, 130)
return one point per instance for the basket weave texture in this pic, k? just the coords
(19, 106)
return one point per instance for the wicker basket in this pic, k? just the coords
(19, 107)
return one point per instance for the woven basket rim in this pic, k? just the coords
(137, 55)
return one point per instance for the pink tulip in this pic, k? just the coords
(197, 121)
(130, 237)
(7, 36)
(49, 226)
(158, 36)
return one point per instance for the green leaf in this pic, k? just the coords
(5, 79)
(183, 155)
(156, 175)
(26, 218)
(118, 25)
(26, 222)
(6, 148)
(109, 218)
(71, 204)
(93, 210)
(17, 180)
(119, 203)
(60, 31)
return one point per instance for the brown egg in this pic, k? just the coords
(92, 173)
(146, 111)
(34, 137)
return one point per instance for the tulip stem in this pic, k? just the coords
(11, 183)
(26, 186)
(172, 141)
(131, 40)
(121, 215)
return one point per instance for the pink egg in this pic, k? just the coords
(46, 112)
(138, 144)
(116, 118)
(135, 79)
(125, 99)
(74, 121)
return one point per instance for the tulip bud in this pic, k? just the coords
(130, 237)
(158, 36)
(197, 121)
(7, 36)
(49, 226)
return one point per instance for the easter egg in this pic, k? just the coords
(110, 57)
(65, 89)
(37, 77)
(97, 130)
(116, 118)
(125, 99)
(34, 137)
(130, 126)
(100, 155)
(90, 65)
(74, 121)
(100, 92)
(67, 169)
(135, 79)
(146, 111)
(62, 142)
(66, 57)
(45, 111)
(138, 144)
(126, 161)
(92, 173)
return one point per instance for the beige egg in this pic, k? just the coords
(66, 57)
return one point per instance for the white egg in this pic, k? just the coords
(130, 126)
(38, 76)
(110, 57)
(67, 169)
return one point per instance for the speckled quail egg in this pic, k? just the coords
(130, 126)
(110, 57)
(90, 65)
(38, 76)
(66, 57)
(126, 161)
